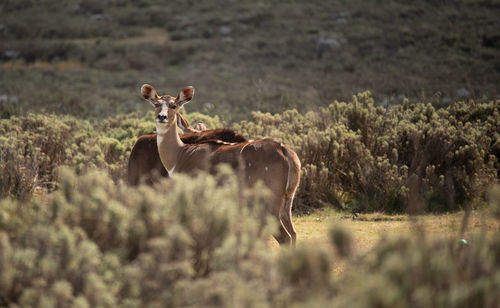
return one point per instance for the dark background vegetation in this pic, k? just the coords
(426, 138)
(88, 58)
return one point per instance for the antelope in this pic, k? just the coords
(144, 162)
(267, 160)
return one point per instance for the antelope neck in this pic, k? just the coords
(169, 145)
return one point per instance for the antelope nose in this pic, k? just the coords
(161, 118)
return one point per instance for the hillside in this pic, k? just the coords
(89, 58)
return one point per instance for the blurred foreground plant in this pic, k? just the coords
(94, 243)
(202, 241)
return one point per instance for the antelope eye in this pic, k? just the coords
(157, 105)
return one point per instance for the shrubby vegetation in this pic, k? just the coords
(33, 147)
(362, 157)
(94, 243)
(202, 242)
(355, 156)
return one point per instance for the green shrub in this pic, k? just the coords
(368, 158)
(33, 147)
(354, 155)
(202, 241)
(103, 244)
(210, 122)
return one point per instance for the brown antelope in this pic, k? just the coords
(267, 160)
(144, 163)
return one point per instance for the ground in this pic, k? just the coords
(368, 229)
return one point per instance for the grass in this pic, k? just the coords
(247, 56)
(313, 229)
(366, 233)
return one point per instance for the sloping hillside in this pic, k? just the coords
(90, 57)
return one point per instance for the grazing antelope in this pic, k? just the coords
(277, 166)
(144, 163)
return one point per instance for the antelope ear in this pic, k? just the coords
(185, 95)
(200, 126)
(182, 123)
(149, 93)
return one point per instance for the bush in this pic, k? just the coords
(368, 158)
(354, 156)
(33, 147)
(103, 244)
(210, 122)
(203, 242)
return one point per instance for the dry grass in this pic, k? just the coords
(369, 229)
(367, 232)
(272, 57)
(17, 65)
(150, 35)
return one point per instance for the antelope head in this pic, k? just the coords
(166, 106)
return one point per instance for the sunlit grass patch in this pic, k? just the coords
(368, 229)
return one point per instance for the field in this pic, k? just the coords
(368, 229)
(390, 105)
(88, 58)
(371, 230)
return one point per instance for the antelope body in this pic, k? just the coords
(144, 164)
(267, 160)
